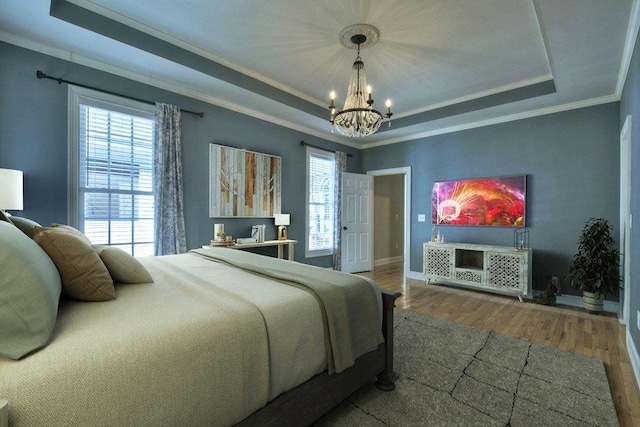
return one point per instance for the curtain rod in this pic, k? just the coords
(320, 148)
(60, 80)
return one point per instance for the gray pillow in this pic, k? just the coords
(5, 217)
(122, 267)
(29, 293)
(25, 224)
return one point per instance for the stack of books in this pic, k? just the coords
(257, 232)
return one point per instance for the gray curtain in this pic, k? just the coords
(341, 166)
(170, 237)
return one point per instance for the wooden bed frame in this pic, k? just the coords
(311, 400)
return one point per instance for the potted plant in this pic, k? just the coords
(595, 268)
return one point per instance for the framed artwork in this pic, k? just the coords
(243, 183)
(496, 201)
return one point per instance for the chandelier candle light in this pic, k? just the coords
(358, 118)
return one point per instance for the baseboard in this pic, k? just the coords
(417, 275)
(385, 261)
(571, 300)
(634, 357)
(576, 301)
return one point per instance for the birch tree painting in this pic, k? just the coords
(243, 183)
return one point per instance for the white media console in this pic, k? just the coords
(499, 269)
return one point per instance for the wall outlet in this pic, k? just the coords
(422, 217)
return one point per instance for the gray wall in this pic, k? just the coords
(630, 105)
(571, 160)
(33, 138)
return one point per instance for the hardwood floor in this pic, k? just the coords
(569, 328)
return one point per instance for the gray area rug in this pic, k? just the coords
(457, 375)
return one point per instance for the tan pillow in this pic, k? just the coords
(123, 267)
(84, 276)
(72, 230)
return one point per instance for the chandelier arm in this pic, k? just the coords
(352, 110)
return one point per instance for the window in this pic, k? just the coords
(320, 207)
(111, 160)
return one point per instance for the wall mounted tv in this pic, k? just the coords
(498, 202)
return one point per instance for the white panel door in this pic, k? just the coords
(357, 222)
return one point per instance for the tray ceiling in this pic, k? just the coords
(445, 64)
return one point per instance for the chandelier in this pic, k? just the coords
(358, 118)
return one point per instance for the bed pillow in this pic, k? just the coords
(84, 276)
(5, 217)
(25, 224)
(72, 230)
(122, 267)
(29, 293)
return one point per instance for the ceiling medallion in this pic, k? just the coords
(358, 118)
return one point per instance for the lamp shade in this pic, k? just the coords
(11, 190)
(281, 219)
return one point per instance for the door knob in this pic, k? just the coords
(344, 228)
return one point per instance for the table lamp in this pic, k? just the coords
(282, 220)
(10, 190)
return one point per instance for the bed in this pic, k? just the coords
(218, 337)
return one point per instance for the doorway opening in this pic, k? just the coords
(391, 216)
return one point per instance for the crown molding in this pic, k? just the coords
(154, 32)
(181, 90)
(497, 120)
(478, 95)
(163, 84)
(629, 46)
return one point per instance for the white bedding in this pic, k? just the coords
(206, 344)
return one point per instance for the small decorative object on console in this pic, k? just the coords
(257, 232)
(521, 238)
(221, 242)
(218, 232)
(282, 220)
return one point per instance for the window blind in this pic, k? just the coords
(320, 220)
(115, 185)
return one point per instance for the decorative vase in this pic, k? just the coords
(591, 303)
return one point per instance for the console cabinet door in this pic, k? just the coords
(506, 271)
(438, 262)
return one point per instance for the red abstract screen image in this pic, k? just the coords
(483, 201)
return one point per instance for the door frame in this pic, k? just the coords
(626, 220)
(406, 171)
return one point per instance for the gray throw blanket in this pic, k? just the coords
(350, 304)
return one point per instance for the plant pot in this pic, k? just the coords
(591, 303)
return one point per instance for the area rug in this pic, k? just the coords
(457, 375)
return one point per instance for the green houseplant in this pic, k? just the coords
(595, 268)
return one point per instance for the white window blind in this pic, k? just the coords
(114, 185)
(320, 208)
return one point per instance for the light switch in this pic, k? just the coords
(422, 217)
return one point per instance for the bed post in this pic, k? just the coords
(4, 413)
(387, 378)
